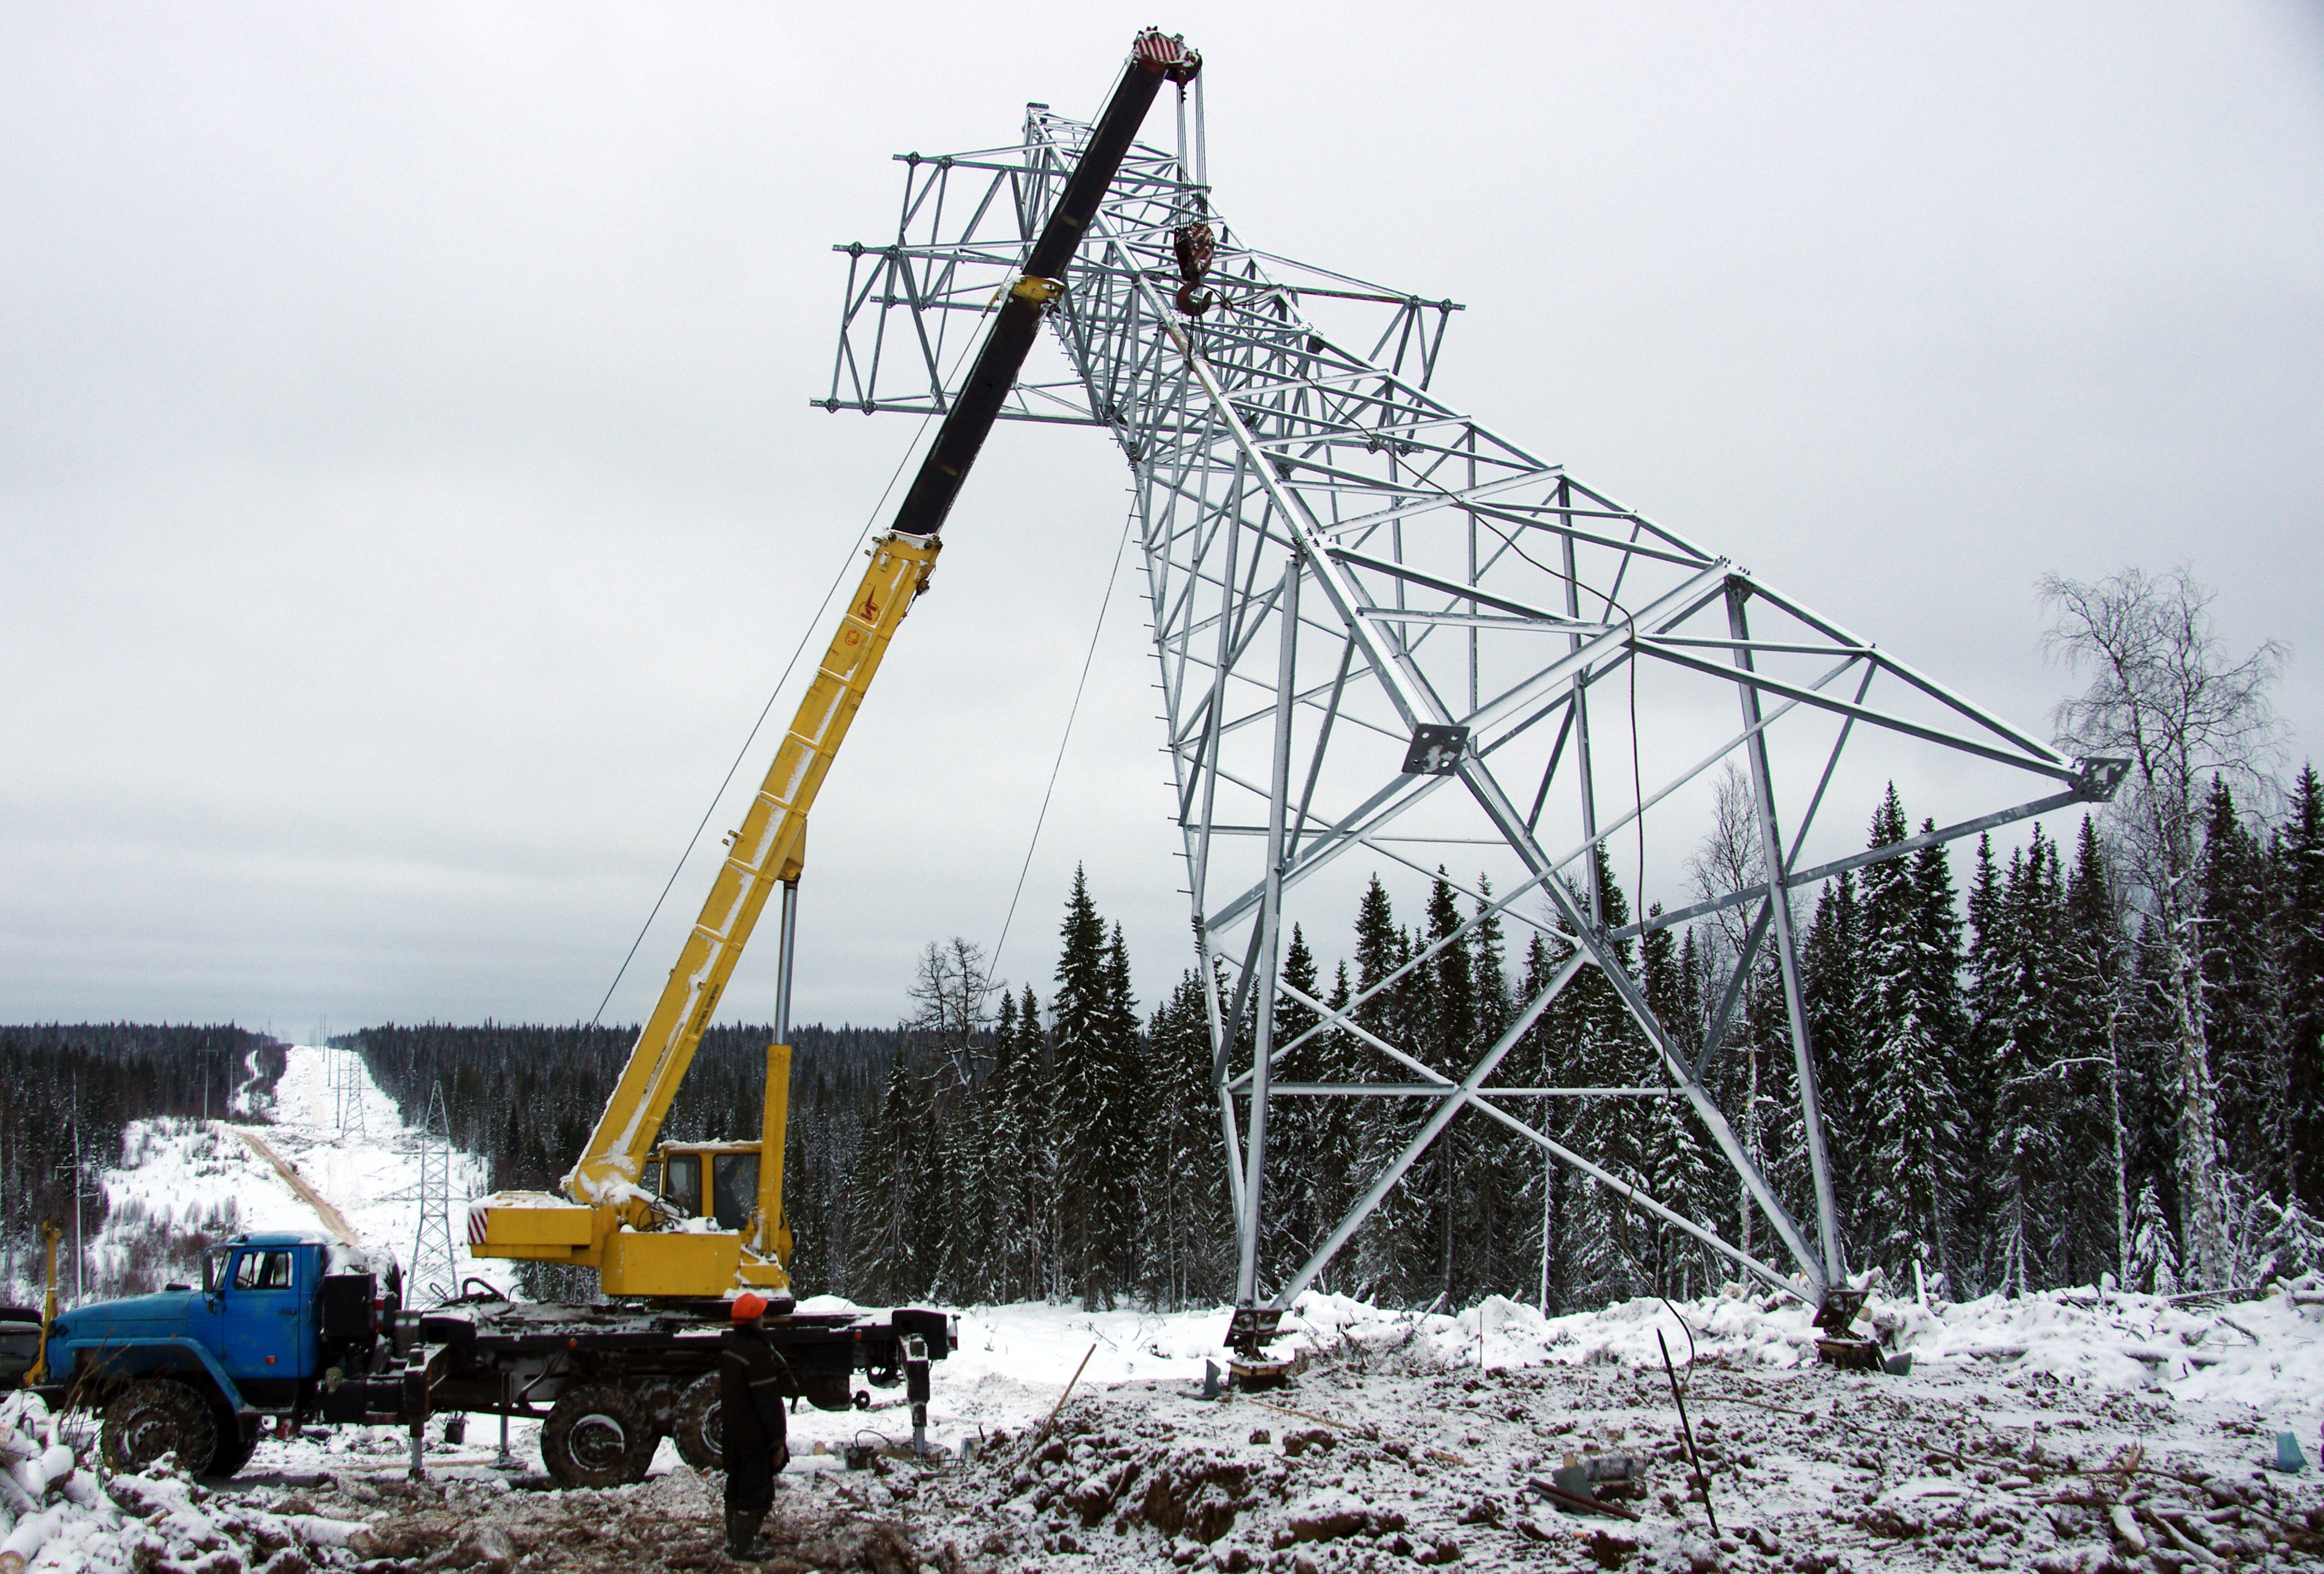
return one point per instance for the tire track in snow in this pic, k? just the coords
(333, 1219)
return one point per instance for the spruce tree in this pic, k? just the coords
(2240, 997)
(1595, 1043)
(2026, 1149)
(1496, 1237)
(1126, 1054)
(1452, 1041)
(2300, 879)
(1390, 1250)
(2094, 959)
(1913, 1168)
(2154, 1266)
(1092, 1132)
(1831, 981)
(885, 1265)
(1671, 1167)
(1337, 1134)
(1189, 1226)
(1293, 1211)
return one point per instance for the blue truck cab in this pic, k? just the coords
(193, 1371)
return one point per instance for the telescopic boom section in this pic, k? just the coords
(768, 848)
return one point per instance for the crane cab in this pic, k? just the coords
(712, 1181)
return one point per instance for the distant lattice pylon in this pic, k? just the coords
(434, 1265)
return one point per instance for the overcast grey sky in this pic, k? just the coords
(408, 492)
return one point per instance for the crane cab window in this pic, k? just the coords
(681, 1183)
(262, 1271)
(733, 1188)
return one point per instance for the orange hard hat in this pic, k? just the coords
(749, 1308)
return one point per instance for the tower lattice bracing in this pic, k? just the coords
(1391, 639)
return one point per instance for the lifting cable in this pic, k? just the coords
(1112, 575)
(970, 342)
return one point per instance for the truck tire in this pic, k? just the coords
(236, 1441)
(597, 1435)
(699, 1426)
(155, 1416)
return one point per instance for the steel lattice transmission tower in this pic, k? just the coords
(434, 1260)
(1385, 629)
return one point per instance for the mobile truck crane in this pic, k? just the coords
(289, 1327)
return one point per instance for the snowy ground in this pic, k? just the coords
(182, 1176)
(2071, 1431)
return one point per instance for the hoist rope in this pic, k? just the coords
(765, 710)
(992, 964)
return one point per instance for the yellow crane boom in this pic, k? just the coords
(691, 1235)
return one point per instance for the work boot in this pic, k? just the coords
(743, 1534)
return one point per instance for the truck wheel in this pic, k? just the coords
(597, 1435)
(700, 1428)
(236, 1443)
(155, 1416)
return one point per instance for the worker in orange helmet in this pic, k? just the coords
(752, 1382)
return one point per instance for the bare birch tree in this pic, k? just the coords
(1730, 860)
(2164, 695)
(949, 991)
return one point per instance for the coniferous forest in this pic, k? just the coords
(1998, 1063)
(2042, 1063)
(73, 1090)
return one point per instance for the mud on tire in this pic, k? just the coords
(597, 1435)
(236, 1440)
(699, 1426)
(154, 1416)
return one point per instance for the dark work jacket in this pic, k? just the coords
(751, 1383)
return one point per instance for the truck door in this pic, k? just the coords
(262, 1318)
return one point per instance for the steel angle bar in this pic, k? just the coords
(1912, 844)
(1438, 1119)
(1378, 810)
(1773, 1278)
(1445, 1090)
(887, 407)
(1333, 1017)
(1483, 621)
(1714, 1035)
(1426, 502)
(2046, 763)
(1596, 945)
(1684, 558)
(1638, 811)
(1380, 845)
(1265, 938)
(1456, 590)
(1830, 764)
(1662, 532)
(1687, 598)
(1771, 850)
(1343, 1022)
(1911, 675)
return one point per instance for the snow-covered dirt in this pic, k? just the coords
(2071, 1430)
